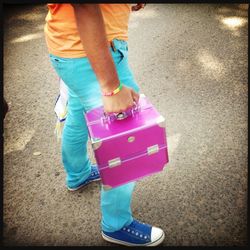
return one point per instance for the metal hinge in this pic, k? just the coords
(153, 149)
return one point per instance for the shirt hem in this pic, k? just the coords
(71, 54)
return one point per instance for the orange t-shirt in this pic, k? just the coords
(61, 31)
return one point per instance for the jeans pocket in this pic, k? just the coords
(61, 64)
(123, 54)
(60, 60)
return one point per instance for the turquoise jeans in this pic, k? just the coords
(85, 94)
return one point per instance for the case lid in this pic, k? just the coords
(101, 129)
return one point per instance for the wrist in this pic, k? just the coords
(112, 92)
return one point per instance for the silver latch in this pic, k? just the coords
(114, 162)
(153, 149)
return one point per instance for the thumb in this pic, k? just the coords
(135, 96)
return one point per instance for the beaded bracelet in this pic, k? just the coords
(114, 91)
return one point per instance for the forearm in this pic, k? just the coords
(93, 37)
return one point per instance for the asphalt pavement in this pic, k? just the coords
(191, 61)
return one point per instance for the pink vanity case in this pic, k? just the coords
(130, 145)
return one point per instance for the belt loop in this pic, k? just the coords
(113, 46)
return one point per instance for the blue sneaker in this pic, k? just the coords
(94, 176)
(136, 234)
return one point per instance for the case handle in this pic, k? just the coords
(110, 117)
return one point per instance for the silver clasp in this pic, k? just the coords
(114, 162)
(153, 149)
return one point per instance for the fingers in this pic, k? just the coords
(138, 6)
(135, 96)
(134, 8)
(123, 101)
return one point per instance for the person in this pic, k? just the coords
(5, 108)
(88, 49)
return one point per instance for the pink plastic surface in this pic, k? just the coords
(115, 142)
(134, 169)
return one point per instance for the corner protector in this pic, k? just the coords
(106, 187)
(96, 143)
(161, 121)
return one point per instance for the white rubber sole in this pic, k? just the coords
(150, 244)
(80, 187)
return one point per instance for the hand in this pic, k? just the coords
(138, 6)
(121, 101)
